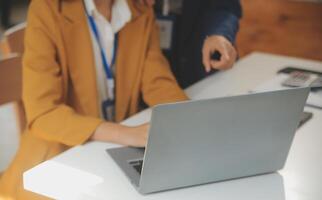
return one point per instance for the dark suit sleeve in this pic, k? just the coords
(221, 17)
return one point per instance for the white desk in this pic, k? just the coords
(87, 172)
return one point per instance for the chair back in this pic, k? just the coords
(14, 39)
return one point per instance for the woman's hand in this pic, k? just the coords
(124, 135)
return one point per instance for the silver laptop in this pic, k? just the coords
(204, 141)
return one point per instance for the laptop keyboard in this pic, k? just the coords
(137, 165)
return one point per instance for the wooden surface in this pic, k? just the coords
(4, 48)
(284, 27)
(15, 38)
(10, 79)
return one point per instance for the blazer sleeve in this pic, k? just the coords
(158, 84)
(48, 116)
(222, 18)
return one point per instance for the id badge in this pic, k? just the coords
(166, 25)
(108, 110)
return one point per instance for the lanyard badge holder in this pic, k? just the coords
(107, 105)
(166, 22)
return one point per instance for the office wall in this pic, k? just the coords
(281, 26)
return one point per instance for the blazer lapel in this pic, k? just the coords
(129, 62)
(80, 58)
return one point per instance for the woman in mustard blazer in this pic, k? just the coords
(59, 85)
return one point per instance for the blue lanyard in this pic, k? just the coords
(107, 67)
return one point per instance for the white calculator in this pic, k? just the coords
(303, 79)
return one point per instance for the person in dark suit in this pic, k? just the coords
(5, 10)
(204, 40)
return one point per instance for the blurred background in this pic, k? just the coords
(12, 12)
(286, 27)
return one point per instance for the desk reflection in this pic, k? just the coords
(262, 187)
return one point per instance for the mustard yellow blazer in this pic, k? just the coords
(59, 82)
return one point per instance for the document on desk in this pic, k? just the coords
(314, 99)
(64, 181)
